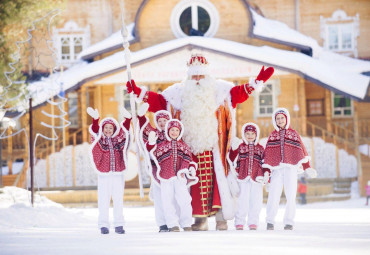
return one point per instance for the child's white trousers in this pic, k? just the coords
(110, 186)
(174, 191)
(283, 177)
(249, 203)
(158, 206)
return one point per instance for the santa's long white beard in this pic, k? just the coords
(198, 115)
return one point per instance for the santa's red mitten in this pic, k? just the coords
(264, 75)
(131, 86)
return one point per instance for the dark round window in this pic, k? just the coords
(197, 25)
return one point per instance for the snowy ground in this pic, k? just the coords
(321, 228)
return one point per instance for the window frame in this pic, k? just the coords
(275, 86)
(322, 101)
(340, 37)
(333, 94)
(70, 31)
(74, 119)
(340, 20)
(183, 5)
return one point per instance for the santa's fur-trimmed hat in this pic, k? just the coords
(197, 65)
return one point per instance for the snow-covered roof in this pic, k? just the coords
(110, 43)
(279, 31)
(333, 76)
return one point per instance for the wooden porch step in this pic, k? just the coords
(8, 180)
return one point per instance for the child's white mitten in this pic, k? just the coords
(311, 172)
(125, 113)
(152, 138)
(235, 143)
(143, 109)
(93, 113)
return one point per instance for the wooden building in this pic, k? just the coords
(318, 48)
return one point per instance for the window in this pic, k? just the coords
(194, 17)
(340, 37)
(340, 33)
(72, 109)
(342, 106)
(266, 102)
(315, 107)
(70, 41)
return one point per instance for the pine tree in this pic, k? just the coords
(15, 17)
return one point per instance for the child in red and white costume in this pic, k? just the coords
(160, 120)
(246, 158)
(108, 155)
(285, 157)
(176, 173)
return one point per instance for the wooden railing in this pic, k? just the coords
(22, 176)
(343, 142)
(43, 150)
(345, 128)
(46, 150)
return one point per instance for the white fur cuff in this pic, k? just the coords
(257, 85)
(142, 94)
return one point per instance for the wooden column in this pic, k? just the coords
(74, 160)
(337, 160)
(84, 114)
(10, 150)
(357, 143)
(53, 145)
(66, 129)
(25, 139)
(302, 106)
(98, 101)
(328, 112)
(47, 167)
(65, 140)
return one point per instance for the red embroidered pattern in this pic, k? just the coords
(172, 156)
(249, 162)
(287, 148)
(107, 153)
